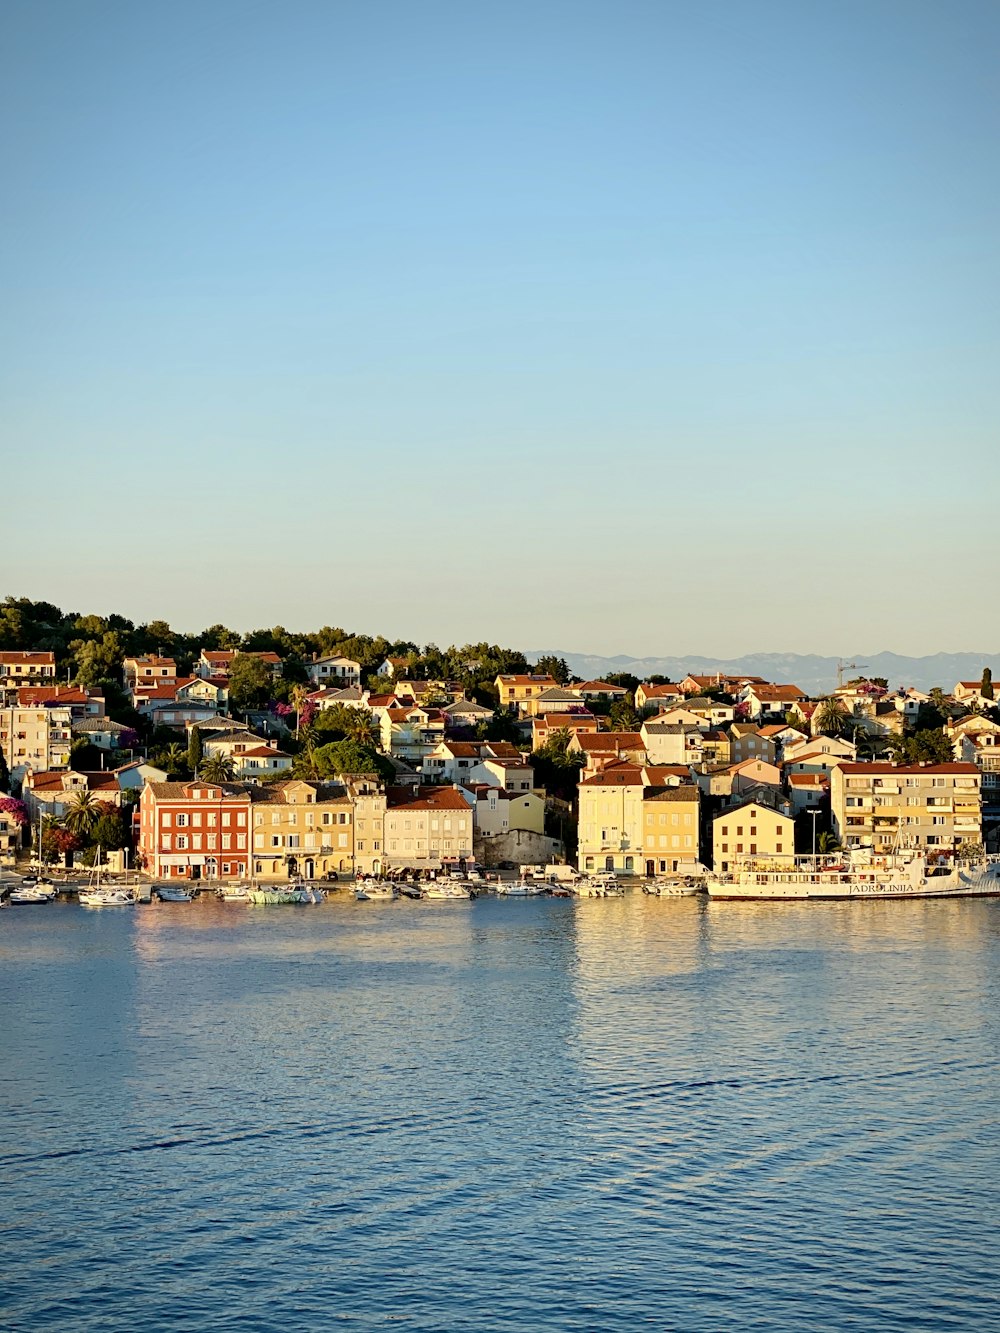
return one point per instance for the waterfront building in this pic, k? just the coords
(624, 812)
(195, 830)
(369, 801)
(670, 826)
(933, 807)
(758, 827)
(302, 828)
(427, 828)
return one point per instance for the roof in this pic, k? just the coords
(760, 798)
(181, 791)
(260, 751)
(27, 659)
(621, 775)
(425, 798)
(598, 687)
(609, 740)
(276, 793)
(233, 734)
(780, 693)
(99, 725)
(151, 659)
(685, 791)
(34, 696)
(527, 680)
(808, 780)
(962, 770)
(655, 691)
(103, 780)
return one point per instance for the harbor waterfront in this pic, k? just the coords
(544, 1113)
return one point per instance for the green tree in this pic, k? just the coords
(98, 658)
(556, 769)
(195, 749)
(986, 688)
(828, 843)
(923, 747)
(623, 717)
(502, 726)
(110, 833)
(249, 682)
(217, 768)
(83, 814)
(345, 722)
(832, 717)
(173, 759)
(555, 667)
(347, 756)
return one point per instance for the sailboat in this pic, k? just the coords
(98, 894)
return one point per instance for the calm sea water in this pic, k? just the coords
(542, 1115)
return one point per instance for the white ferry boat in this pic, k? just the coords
(905, 874)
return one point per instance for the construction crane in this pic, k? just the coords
(848, 666)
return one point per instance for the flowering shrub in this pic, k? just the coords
(17, 810)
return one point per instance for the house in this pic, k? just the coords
(769, 701)
(834, 746)
(134, 776)
(807, 790)
(748, 741)
(34, 668)
(427, 828)
(54, 793)
(493, 763)
(716, 748)
(100, 732)
(934, 807)
(334, 670)
(10, 839)
(496, 811)
(252, 757)
(212, 690)
(754, 773)
(302, 828)
(80, 702)
(670, 824)
(553, 700)
(681, 714)
(35, 738)
(604, 747)
(178, 714)
(347, 696)
(195, 830)
(410, 733)
(814, 761)
(392, 667)
(651, 698)
(516, 691)
(545, 725)
(598, 690)
(143, 673)
(672, 743)
(712, 713)
(218, 664)
(465, 715)
(970, 693)
(719, 681)
(755, 828)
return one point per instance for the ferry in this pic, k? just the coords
(906, 874)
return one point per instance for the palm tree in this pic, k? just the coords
(218, 768)
(82, 814)
(831, 717)
(828, 842)
(173, 759)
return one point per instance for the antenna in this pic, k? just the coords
(843, 666)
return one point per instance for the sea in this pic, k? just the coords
(541, 1114)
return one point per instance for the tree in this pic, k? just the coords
(555, 667)
(923, 747)
(502, 726)
(111, 833)
(217, 768)
(98, 658)
(195, 749)
(173, 759)
(82, 814)
(828, 843)
(17, 810)
(831, 717)
(249, 682)
(345, 722)
(623, 717)
(986, 688)
(347, 756)
(625, 679)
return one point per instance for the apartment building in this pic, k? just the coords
(302, 828)
(934, 807)
(17, 668)
(426, 827)
(35, 738)
(195, 830)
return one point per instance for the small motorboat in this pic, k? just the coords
(107, 898)
(446, 889)
(375, 891)
(28, 894)
(671, 888)
(170, 893)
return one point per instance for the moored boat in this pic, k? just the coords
(375, 891)
(170, 893)
(905, 874)
(441, 889)
(107, 898)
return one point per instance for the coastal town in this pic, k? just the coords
(229, 760)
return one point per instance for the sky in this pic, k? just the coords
(621, 327)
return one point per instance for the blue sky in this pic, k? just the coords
(624, 327)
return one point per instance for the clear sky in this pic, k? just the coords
(618, 327)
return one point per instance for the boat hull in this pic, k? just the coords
(957, 884)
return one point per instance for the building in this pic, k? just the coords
(80, 702)
(601, 748)
(496, 811)
(195, 830)
(766, 702)
(217, 664)
(670, 824)
(35, 738)
(101, 732)
(17, 668)
(672, 743)
(334, 670)
(517, 691)
(143, 674)
(651, 698)
(426, 828)
(755, 828)
(545, 725)
(302, 829)
(934, 807)
(598, 690)
(410, 733)
(54, 794)
(369, 801)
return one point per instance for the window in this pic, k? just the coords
(725, 846)
(227, 841)
(166, 819)
(196, 819)
(196, 842)
(182, 842)
(211, 842)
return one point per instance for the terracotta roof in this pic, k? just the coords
(35, 696)
(276, 793)
(260, 750)
(152, 659)
(180, 791)
(780, 693)
(685, 791)
(101, 781)
(425, 798)
(27, 659)
(597, 686)
(808, 780)
(609, 740)
(621, 775)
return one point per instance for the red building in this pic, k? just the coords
(195, 830)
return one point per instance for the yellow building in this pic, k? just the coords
(670, 830)
(426, 828)
(610, 820)
(35, 738)
(369, 822)
(885, 806)
(752, 829)
(302, 829)
(517, 691)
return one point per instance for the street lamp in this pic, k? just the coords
(814, 815)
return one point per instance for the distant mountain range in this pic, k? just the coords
(814, 674)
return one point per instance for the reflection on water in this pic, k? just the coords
(527, 1115)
